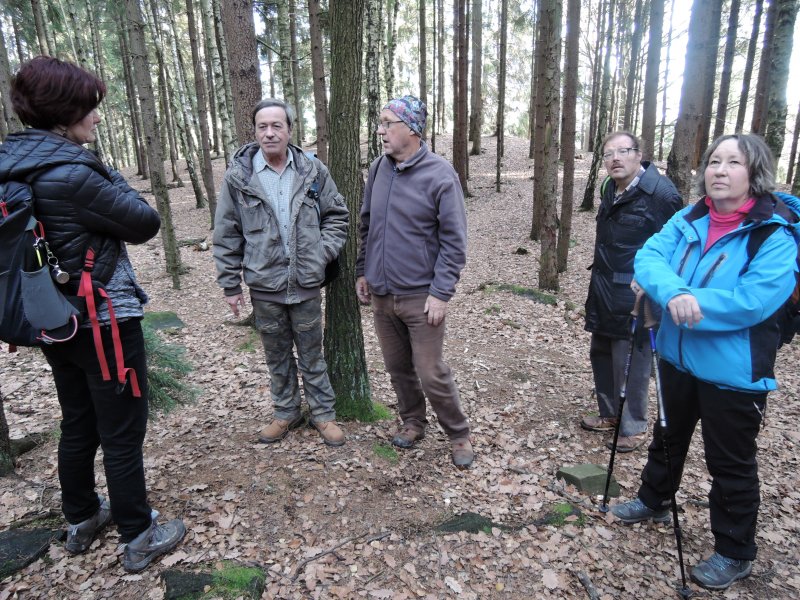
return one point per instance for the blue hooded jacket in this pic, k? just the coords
(735, 343)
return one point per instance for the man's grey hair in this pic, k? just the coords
(760, 163)
(635, 140)
(269, 102)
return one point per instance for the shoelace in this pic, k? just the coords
(723, 562)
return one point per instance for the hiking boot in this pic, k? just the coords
(635, 511)
(629, 443)
(406, 437)
(278, 429)
(462, 453)
(152, 543)
(599, 423)
(330, 432)
(80, 536)
(718, 572)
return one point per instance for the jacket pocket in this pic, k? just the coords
(310, 256)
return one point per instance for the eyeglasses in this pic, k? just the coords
(621, 152)
(385, 124)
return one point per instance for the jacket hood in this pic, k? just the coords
(31, 150)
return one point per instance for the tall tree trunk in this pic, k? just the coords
(133, 100)
(779, 76)
(423, 53)
(434, 72)
(793, 153)
(344, 342)
(460, 156)
(441, 65)
(144, 88)
(476, 103)
(501, 92)
(299, 128)
(285, 62)
(202, 110)
(214, 59)
(75, 37)
(666, 84)
(109, 138)
(690, 114)
(184, 108)
(605, 7)
(225, 90)
(318, 73)
(372, 79)
(532, 95)
(651, 78)
(12, 120)
(727, 69)
(714, 24)
(548, 107)
(759, 122)
(568, 126)
(245, 76)
(41, 28)
(748, 66)
(636, 45)
(390, 46)
(591, 180)
(165, 113)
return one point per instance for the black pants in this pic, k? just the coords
(730, 423)
(93, 414)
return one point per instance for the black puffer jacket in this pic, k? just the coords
(77, 199)
(622, 229)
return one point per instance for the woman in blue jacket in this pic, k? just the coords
(717, 341)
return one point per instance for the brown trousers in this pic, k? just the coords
(412, 352)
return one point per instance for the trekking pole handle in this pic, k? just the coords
(636, 304)
(649, 319)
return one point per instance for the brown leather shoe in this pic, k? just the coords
(330, 432)
(599, 423)
(462, 453)
(407, 436)
(629, 443)
(278, 429)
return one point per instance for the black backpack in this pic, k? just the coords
(788, 315)
(25, 271)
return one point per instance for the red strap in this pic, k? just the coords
(3, 208)
(122, 371)
(86, 291)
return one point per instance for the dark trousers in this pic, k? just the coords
(412, 352)
(608, 357)
(730, 423)
(94, 415)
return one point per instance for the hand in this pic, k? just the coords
(362, 290)
(637, 289)
(684, 309)
(435, 309)
(235, 302)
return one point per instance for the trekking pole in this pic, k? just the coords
(650, 323)
(622, 395)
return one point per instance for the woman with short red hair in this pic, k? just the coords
(89, 212)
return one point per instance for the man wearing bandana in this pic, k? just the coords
(413, 248)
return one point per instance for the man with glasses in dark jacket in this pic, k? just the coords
(635, 202)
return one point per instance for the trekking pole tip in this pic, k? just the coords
(604, 508)
(685, 592)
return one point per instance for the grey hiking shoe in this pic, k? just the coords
(635, 511)
(81, 535)
(152, 543)
(718, 572)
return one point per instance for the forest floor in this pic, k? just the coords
(358, 522)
